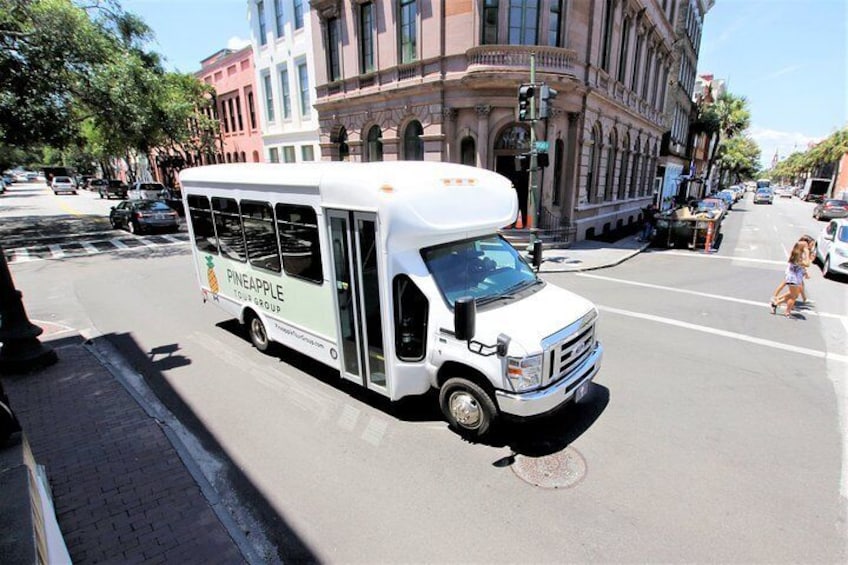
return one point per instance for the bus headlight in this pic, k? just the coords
(524, 373)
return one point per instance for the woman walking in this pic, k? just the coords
(809, 257)
(793, 277)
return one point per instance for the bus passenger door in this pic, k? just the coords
(354, 242)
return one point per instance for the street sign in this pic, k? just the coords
(541, 146)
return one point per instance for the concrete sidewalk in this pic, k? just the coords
(589, 255)
(125, 488)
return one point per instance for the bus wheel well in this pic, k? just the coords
(255, 329)
(453, 369)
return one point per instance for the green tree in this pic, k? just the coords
(738, 158)
(727, 117)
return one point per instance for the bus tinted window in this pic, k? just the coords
(411, 309)
(200, 215)
(228, 225)
(297, 227)
(258, 221)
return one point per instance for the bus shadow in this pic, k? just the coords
(534, 437)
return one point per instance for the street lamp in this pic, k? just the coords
(21, 351)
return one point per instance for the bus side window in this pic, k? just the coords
(200, 215)
(258, 221)
(225, 211)
(411, 309)
(297, 228)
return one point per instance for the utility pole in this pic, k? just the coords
(532, 178)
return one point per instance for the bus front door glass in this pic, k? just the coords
(357, 280)
(345, 297)
(373, 318)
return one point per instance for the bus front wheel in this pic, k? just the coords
(257, 332)
(468, 408)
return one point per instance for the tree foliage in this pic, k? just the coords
(80, 79)
(824, 153)
(726, 117)
(738, 158)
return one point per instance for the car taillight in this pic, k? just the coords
(138, 215)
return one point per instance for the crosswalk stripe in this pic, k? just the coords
(56, 250)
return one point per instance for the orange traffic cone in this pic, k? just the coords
(519, 222)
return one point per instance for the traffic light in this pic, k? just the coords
(526, 92)
(546, 97)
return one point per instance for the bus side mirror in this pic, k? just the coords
(464, 318)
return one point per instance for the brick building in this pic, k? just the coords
(438, 81)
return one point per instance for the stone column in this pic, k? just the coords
(449, 131)
(483, 111)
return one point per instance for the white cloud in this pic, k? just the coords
(236, 43)
(783, 71)
(783, 142)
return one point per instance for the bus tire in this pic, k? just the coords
(468, 408)
(256, 330)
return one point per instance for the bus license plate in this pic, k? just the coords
(582, 390)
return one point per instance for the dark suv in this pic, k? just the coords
(113, 188)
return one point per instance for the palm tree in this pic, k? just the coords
(728, 116)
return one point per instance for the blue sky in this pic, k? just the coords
(787, 57)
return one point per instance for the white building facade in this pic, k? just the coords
(282, 51)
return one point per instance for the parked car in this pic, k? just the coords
(764, 196)
(173, 197)
(2, 186)
(139, 216)
(113, 187)
(831, 209)
(95, 184)
(728, 196)
(783, 191)
(832, 248)
(8, 178)
(146, 190)
(63, 184)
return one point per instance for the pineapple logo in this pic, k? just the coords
(210, 276)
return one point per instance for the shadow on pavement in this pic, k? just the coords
(150, 364)
(539, 436)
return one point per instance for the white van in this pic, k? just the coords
(145, 191)
(394, 274)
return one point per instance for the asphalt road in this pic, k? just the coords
(714, 433)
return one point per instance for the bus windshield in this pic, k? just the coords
(763, 183)
(486, 269)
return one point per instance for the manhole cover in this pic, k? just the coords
(563, 469)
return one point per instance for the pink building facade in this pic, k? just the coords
(438, 81)
(232, 75)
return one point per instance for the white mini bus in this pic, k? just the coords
(394, 274)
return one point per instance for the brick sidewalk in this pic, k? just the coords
(121, 491)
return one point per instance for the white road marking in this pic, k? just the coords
(731, 335)
(119, 244)
(728, 258)
(374, 431)
(348, 417)
(705, 295)
(56, 251)
(89, 248)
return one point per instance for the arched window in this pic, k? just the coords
(622, 169)
(374, 145)
(591, 173)
(611, 158)
(256, 156)
(243, 157)
(341, 144)
(468, 151)
(559, 152)
(413, 145)
(634, 171)
(229, 157)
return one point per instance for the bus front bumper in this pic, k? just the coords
(538, 402)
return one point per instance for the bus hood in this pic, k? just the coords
(528, 320)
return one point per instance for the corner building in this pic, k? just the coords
(438, 81)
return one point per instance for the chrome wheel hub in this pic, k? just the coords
(464, 409)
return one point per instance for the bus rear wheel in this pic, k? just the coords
(468, 408)
(258, 335)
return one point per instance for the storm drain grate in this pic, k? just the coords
(563, 469)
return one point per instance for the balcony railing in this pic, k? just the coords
(548, 59)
